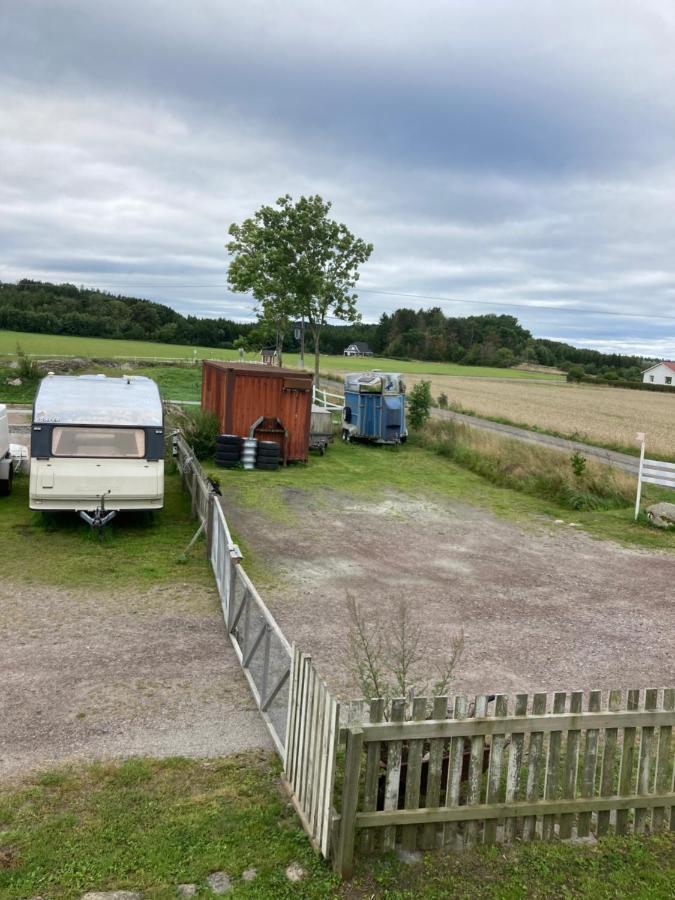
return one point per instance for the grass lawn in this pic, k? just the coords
(137, 550)
(69, 345)
(147, 825)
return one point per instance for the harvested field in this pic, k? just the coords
(600, 415)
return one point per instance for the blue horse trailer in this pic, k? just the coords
(374, 408)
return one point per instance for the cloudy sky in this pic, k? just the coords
(502, 156)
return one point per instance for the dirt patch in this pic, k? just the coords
(543, 607)
(106, 674)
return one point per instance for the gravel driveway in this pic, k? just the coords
(543, 606)
(118, 674)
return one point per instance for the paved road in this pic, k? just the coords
(611, 457)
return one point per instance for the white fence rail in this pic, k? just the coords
(327, 399)
(652, 471)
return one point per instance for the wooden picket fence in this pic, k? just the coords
(493, 771)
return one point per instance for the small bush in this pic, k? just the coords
(28, 368)
(578, 463)
(419, 404)
(200, 429)
(442, 401)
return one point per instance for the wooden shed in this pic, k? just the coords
(243, 394)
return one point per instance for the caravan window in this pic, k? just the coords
(116, 443)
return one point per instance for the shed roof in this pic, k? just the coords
(258, 369)
(98, 400)
(361, 346)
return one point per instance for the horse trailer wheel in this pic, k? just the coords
(6, 484)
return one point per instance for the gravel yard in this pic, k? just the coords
(542, 605)
(89, 675)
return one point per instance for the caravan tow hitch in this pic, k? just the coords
(101, 517)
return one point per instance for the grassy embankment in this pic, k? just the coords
(147, 825)
(103, 348)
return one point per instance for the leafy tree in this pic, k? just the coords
(575, 373)
(419, 404)
(296, 261)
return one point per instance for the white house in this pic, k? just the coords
(358, 348)
(661, 373)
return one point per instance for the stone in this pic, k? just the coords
(409, 857)
(14, 382)
(662, 515)
(111, 895)
(186, 890)
(295, 872)
(219, 882)
(249, 874)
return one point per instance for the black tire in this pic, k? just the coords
(268, 454)
(268, 445)
(269, 466)
(6, 484)
(227, 440)
(227, 463)
(228, 454)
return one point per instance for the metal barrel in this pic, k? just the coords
(249, 450)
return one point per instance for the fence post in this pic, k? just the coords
(210, 502)
(343, 861)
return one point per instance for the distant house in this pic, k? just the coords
(661, 373)
(358, 348)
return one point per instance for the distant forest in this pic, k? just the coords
(489, 340)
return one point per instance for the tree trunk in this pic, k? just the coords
(317, 342)
(280, 346)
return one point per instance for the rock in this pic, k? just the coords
(409, 857)
(186, 890)
(295, 872)
(14, 382)
(249, 874)
(111, 895)
(662, 515)
(219, 882)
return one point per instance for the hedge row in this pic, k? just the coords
(631, 385)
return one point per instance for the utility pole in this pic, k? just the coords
(299, 332)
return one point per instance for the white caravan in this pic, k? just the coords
(97, 446)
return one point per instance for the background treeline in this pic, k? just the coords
(489, 340)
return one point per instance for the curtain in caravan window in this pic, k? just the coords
(103, 443)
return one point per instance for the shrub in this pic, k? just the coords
(419, 404)
(200, 429)
(578, 463)
(442, 401)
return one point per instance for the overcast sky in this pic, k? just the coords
(514, 156)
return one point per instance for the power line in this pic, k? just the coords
(432, 298)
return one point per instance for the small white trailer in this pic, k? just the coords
(97, 446)
(6, 461)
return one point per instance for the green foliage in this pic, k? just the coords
(575, 373)
(578, 463)
(419, 404)
(442, 401)
(27, 366)
(297, 262)
(200, 429)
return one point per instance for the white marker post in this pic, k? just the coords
(640, 437)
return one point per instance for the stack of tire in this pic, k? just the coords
(268, 455)
(228, 451)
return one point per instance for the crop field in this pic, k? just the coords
(68, 345)
(598, 415)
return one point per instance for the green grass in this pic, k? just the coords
(371, 472)
(137, 550)
(148, 825)
(103, 348)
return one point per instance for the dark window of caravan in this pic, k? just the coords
(98, 443)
